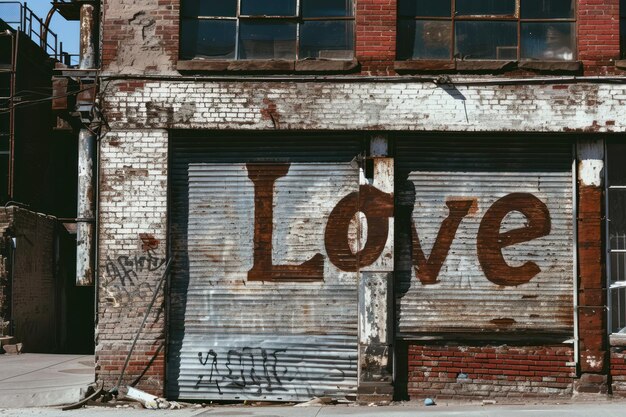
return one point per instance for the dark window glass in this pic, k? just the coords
(267, 40)
(618, 305)
(207, 39)
(485, 7)
(424, 39)
(426, 8)
(326, 8)
(486, 40)
(547, 9)
(268, 7)
(327, 39)
(547, 41)
(616, 155)
(617, 223)
(221, 8)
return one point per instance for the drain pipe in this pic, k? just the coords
(85, 216)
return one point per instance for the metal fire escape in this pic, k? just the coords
(18, 21)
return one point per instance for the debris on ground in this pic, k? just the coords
(149, 401)
(429, 402)
(318, 401)
(15, 349)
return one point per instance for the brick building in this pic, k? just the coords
(371, 197)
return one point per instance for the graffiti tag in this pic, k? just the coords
(251, 368)
(125, 268)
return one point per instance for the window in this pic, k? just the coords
(616, 232)
(277, 29)
(486, 29)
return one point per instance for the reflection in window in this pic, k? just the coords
(253, 29)
(486, 29)
(548, 41)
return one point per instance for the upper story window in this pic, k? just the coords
(267, 29)
(486, 29)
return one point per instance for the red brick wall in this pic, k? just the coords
(142, 35)
(440, 371)
(598, 35)
(618, 371)
(376, 36)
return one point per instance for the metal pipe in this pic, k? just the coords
(87, 36)
(44, 29)
(14, 52)
(85, 226)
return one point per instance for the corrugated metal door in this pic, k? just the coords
(257, 311)
(485, 236)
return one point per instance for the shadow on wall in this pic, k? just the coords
(47, 312)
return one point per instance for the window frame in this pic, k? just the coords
(515, 17)
(297, 18)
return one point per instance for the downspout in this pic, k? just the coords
(85, 216)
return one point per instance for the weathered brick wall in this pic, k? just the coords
(490, 371)
(33, 291)
(413, 106)
(618, 371)
(5, 253)
(132, 251)
(598, 35)
(140, 36)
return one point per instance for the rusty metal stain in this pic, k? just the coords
(267, 314)
(481, 229)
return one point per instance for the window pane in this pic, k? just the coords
(617, 216)
(426, 8)
(485, 7)
(268, 7)
(616, 155)
(207, 39)
(222, 8)
(486, 40)
(618, 307)
(424, 39)
(326, 8)
(551, 41)
(267, 40)
(327, 39)
(547, 9)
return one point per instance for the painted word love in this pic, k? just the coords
(377, 207)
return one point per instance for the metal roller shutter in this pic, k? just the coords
(250, 317)
(484, 236)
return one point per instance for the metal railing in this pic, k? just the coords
(22, 18)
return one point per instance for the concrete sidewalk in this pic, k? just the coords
(38, 380)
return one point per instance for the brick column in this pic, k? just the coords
(598, 35)
(591, 282)
(376, 36)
